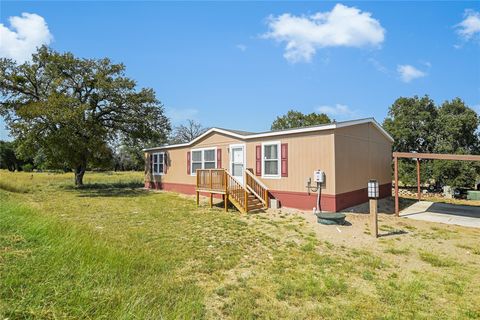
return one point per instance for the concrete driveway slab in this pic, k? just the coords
(468, 216)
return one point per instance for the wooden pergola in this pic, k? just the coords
(418, 156)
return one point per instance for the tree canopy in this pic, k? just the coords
(418, 125)
(456, 132)
(186, 132)
(296, 119)
(74, 110)
(8, 159)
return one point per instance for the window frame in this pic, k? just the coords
(159, 173)
(202, 150)
(279, 162)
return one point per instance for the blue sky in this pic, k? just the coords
(240, 64)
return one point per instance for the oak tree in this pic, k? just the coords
(187, 132)
(296, 119)
(74, 110)
(418, 125)
(456, 132)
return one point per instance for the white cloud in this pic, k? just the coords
(427, 64)
(25, 34)
(409, 73)
(339, 110)
(342, 27)
(241, 47)
(378, 65)
(470, 26)
(180, 115)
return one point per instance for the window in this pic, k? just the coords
(203, 159)
(271, 159)
(209, 159)
(158, 163)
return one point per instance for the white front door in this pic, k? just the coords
(237, 161)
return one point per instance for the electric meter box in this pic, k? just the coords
(319, 176)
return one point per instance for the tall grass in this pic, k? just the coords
(436, 260)
(24, 182)
(54, 271)
(111, 250)
(13, 187)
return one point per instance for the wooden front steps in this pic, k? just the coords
(251, 197)
(254, 204)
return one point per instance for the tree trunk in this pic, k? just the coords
(79, 172)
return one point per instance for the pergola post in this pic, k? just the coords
(419, 194)
(395, 162)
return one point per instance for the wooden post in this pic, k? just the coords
(397, 208)
(419, 194)
(211, 200)
(246, 200)
(211, 180)
(374, 217)
(266, 199)
(225, 179)
(197, 193)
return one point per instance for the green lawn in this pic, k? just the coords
(114, 251)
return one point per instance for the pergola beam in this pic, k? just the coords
(436, 156)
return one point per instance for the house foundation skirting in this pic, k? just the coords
(328, 202)
(291, 199)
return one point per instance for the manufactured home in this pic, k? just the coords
(254, 170)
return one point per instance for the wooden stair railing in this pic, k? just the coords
(237, 194)
(255, 186)
(252, 196)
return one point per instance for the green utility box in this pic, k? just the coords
(473, 195)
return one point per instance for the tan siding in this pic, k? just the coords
(216, 139)
(177, 158)
(306, 153)
(349, 157)
(361, 153)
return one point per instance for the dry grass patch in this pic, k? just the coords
(113, 250)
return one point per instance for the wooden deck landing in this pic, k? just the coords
(244, 198)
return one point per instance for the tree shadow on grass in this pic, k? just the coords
(117, 189)
(220, 205)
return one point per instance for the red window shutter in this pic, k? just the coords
(188, 162)
(165, 162)
(258, 160)
(219, 158)
(284, 159)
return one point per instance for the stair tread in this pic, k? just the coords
(254, 203)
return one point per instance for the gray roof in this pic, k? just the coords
(252, 135)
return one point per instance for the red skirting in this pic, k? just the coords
(303, 201)
(328, 202)
(352, 198)
(290, 199)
